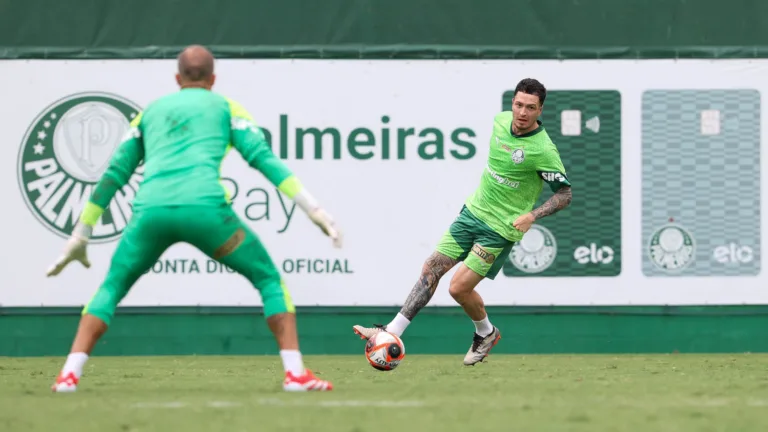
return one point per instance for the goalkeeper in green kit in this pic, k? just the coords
(521, 159)
(182, 139)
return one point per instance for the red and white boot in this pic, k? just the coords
(306, 382)
(65, 383)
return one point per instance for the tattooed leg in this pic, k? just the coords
(434, 268)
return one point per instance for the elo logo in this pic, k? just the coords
(593, 254)
(733, 253)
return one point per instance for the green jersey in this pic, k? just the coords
(182, 139)
(517, 167)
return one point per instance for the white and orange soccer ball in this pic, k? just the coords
(384, 351)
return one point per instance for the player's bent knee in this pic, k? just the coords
(457, 290)
(276, 299)
(103, 304)
(100, 315)
(465, 280)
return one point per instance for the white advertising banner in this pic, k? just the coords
(664, 157)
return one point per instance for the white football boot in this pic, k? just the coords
(481, 347)
(366, 333)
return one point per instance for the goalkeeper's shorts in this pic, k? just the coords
(216, 231)
(471, 240)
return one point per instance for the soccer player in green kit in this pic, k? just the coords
(521, 158)
(182, 139)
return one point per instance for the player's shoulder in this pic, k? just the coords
(236, 109)
(162, 103)
(503, 117)
(150, 110)
(542, 137)
(165, 99)
(545, 144)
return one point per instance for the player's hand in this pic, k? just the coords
(327, 225)
(524, 222)
(75, 250)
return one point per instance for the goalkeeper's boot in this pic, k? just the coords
(305, 382)
(481, 347)
(366, 333)
(65, 383)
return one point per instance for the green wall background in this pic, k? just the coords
(443, 330)
(385, 29)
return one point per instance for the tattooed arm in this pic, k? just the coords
(434, 268)
(560, 200)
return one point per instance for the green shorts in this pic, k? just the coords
(216, 231)
(471, 240)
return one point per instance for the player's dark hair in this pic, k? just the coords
(533, 87)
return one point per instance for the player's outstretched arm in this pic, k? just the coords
(122, 165)
(251, 143)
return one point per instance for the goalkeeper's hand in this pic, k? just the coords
(326, 224)
(74, 250)
(318, 216)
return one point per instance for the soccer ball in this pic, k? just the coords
(384, 351)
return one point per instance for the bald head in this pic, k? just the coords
(195, 67)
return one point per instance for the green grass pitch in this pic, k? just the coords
(426, 393)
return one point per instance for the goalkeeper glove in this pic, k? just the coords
(74, 250)
(319, 216)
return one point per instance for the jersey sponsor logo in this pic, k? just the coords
(483, 254)
(671, 248)
(552, 177)
(501, 180)
(504, 146)
(64, 153)
(239, 123)
(518, 156)
(535, 252)
(133, 132)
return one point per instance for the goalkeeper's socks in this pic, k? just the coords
(483, 327)
(398, 325)
(74, 364)
(292, 362)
